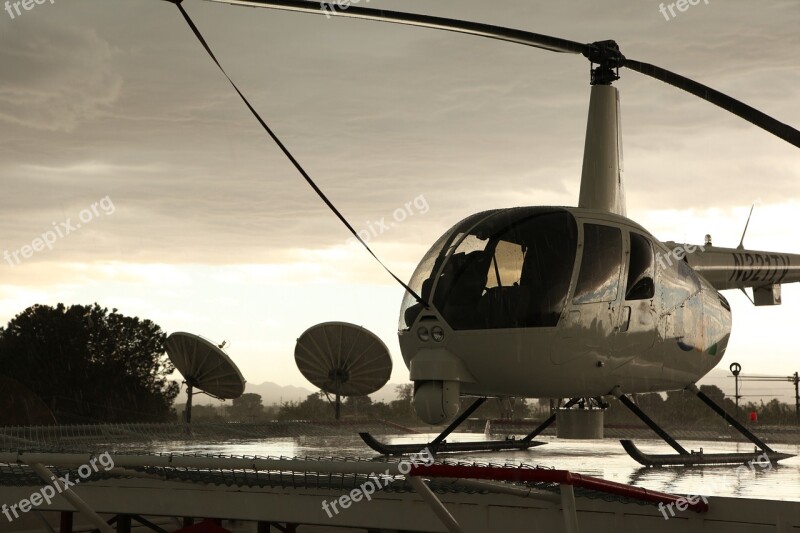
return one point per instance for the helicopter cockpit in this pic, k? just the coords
(505, 268)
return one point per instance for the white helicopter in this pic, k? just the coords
(581, 302)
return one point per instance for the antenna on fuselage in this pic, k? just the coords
(741, 242)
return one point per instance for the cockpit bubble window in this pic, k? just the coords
(641, 268)
(511, 269)
(598, 280)
(422, 280)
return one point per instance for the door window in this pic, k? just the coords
(641, 265)
(598, 280)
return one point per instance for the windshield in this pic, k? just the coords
(422, 280)
(508, 268)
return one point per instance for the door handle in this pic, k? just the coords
(625, 319)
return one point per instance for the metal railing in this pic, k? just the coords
(514, 480)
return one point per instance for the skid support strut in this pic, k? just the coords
(457, 422)
(728, 418)
(439, 445)
(649, 421)
(544, 425)
(684, 458)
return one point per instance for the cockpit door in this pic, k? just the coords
(636, 332)
(592, 316)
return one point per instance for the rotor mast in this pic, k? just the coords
(602, 186)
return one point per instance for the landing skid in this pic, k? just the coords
(448, 447)
(686, 458)
(700, 458)
(439, 445)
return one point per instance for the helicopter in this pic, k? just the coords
(579, 302)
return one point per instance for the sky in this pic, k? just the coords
(113, 117)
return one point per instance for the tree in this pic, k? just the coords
(405, 392)
(246, 407)
(314, 407)
(200, 412)
(713, 392)
(358, 406)
(402, 409)
(90, 365)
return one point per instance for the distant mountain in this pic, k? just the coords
(274, 393)
(271, 393)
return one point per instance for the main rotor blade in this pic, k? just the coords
(750, 114)
(329, 9)
(591, 51)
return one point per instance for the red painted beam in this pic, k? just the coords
(544, 475)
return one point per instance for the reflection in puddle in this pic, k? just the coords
(605, 459)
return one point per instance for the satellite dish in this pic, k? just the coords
(204, 366)
(343, 359)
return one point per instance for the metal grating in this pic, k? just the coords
(19, 475)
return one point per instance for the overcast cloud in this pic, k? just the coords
(117, 99)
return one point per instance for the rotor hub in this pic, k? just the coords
(608, 58)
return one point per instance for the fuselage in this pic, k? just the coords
(559, 302)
